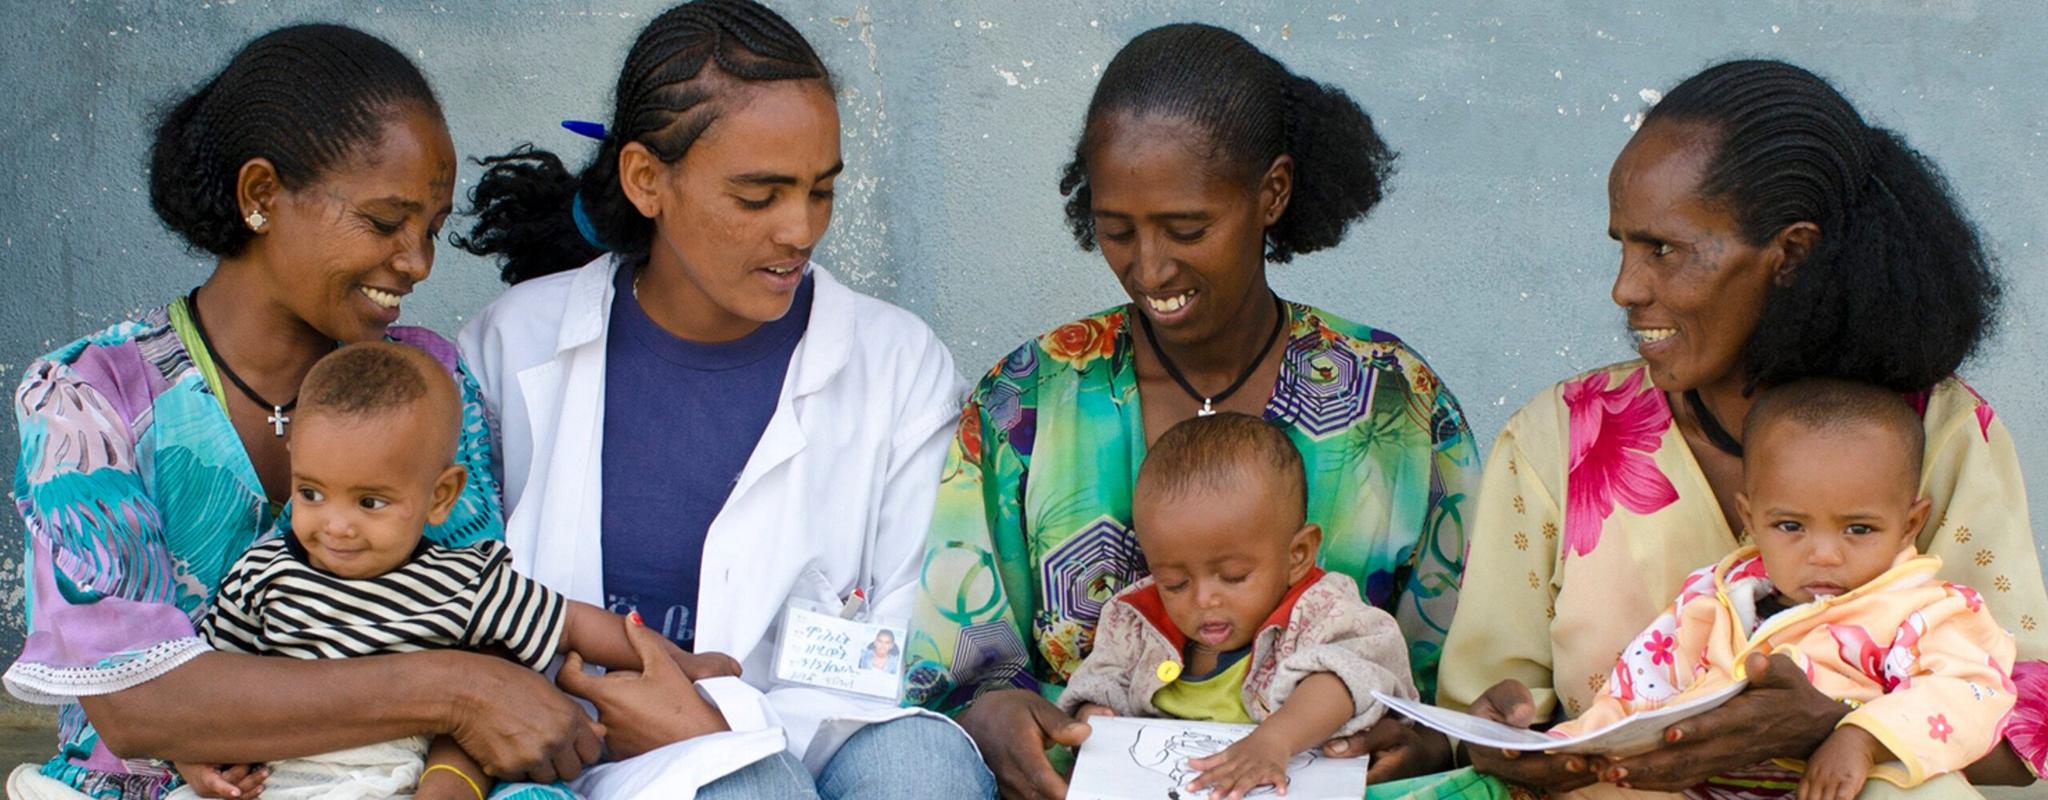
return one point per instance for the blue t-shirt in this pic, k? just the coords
(680, 420)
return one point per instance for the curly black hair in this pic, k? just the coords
(1899, 291)
(1253, 110)
(305, 97)
(678, 79)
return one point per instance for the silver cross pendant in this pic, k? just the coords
(1207, 410)
(278, 420)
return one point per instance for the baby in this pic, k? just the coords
(1236, 622)
(1829, 498)
(372, 464)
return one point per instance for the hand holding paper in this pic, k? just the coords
(1635, 734)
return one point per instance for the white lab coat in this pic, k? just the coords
(843, 479)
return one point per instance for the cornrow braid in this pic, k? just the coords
(303, 97)
(1252, 110)
(1896, 251)
(666, 98)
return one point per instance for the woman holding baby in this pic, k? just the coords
(1768, 233)
(317, 171)
(1201, 161)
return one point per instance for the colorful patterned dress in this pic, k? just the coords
(1593, 511)
(137, 498)
(1032, 531)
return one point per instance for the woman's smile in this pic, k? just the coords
(382, 305)
(1170, 308)
(1654, 343)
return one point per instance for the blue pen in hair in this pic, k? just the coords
(594, 130)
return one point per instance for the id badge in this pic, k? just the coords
(824, 650)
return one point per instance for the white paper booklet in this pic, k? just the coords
(1127, 758)
(1628, 736)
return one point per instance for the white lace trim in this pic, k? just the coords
(43, 684)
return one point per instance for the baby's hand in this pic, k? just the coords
(440, 790)
(440, 785)
(1088, 710)
(238, 781)
(1252, 762)
(699, 666)
(1838, 769)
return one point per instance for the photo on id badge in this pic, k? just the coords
(847, 655)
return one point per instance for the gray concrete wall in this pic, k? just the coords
(1490, 256)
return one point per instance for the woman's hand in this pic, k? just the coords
(1013, 728)
(1398, 750)
(1509, 703)
(517, 726)
(234, 781)
(1089, 711)
(1780, 715)
(643, 710)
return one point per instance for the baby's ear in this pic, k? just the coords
(447, 489)
(1301, 551)
(1916, 517)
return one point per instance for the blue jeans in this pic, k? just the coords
(913, 758)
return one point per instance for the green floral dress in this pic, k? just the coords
(1032, 532)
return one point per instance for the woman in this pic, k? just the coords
(1202, 159)
(316, 168)
(881, 654)
(704, 345)
(1767, 234)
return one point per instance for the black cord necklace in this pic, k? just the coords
(1209, 403)
(277, 418)
(1710, 426)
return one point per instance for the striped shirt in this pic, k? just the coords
(276, 603)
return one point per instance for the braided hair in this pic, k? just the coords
(304, 97)
(682, 74)
(1896, 251)
(1252, 110)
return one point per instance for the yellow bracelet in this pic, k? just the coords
(460, 774)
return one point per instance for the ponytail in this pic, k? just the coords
(524, 209)
(526, 201)
(1904, 259)
(1341, 168)
(191, 187)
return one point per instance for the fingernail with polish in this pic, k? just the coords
(635, 617)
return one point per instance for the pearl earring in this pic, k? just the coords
(256, 220)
